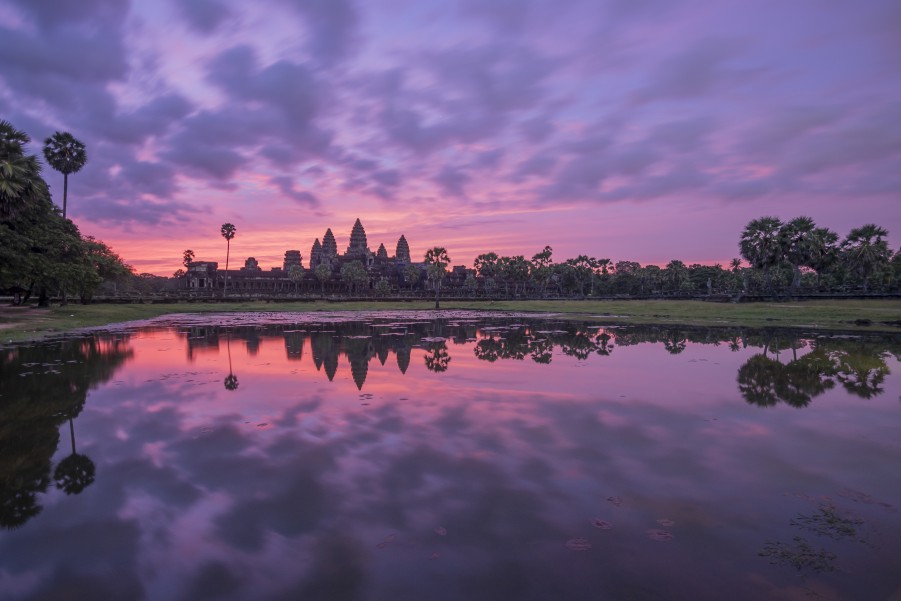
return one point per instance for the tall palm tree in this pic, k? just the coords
(437, 260)
(65, 154)
(823, 251)
(797, 239)
(866, 250)
(760, 246)
(228, 232)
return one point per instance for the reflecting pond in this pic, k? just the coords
(292, 456)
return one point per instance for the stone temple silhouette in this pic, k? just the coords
(253, 279)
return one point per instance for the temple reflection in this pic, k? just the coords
(816, 364)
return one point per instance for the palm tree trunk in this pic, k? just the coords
(65, 192)
(228, 246)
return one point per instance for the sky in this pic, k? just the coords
(641, 130)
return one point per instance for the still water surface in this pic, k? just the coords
(404, 457)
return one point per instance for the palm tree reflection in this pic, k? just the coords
(231, 380)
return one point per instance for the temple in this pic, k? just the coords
(295, 277)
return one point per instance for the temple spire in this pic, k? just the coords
(403, 251)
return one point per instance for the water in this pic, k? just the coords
(274, 457)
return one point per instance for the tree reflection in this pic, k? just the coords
(857, 364)
(231, 380)
(43, 387)
(437, 360)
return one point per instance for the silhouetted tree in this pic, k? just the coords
(67, 155)
(228, 232)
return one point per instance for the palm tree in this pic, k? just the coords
(823, 251)
(20, 174)
(228, 232)
(797, 238)
(437, 260)
(760, 246)
(866, 250)
(65, 154)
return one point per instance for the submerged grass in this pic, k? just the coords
(29, 323)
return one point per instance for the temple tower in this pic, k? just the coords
(382, 253)
(292, 257)
(315, 254)
(329, 246)
(403, 251)
(358, 246)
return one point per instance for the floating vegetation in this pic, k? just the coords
(665, 522)
(578, 544)
(827, 522)
(659, 535)
(860, 497)
(440, 531)
(615, 500)
(602, 524)
(799, 556)
(434, 556)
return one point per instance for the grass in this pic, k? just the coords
(28, 323)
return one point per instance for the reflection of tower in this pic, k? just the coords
(330, 361)
(359, 367)
(403, 356)
(359, 351)
(325, 352)
(382, 352)
(202, 338)
(294, 345)
(253, 342)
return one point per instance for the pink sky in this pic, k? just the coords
(632, 130)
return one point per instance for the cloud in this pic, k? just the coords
(699, 70)
(330, 27)
(452, 180)
(55, 13)
(204, 16)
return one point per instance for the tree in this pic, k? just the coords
(411, 275)
(761, 246)
(187, 257)
(20, 174)
(541, 269)
(67, 155)
(354, 276)
(676, 274)
(866, 251)
(486, 265)
(383, 287)
(470, 284)
(323, 273)
(107, 265)
(823, 251)
(437, 260)
(580, 270)
(228, 232)
(295, 274)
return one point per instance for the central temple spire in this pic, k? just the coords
(358, 245)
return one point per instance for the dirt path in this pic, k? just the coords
(16, 317)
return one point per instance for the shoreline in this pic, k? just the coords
(29, 324)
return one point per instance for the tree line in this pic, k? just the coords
(41, 251)
(777, 259)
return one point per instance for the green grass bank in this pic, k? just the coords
(28, 323)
